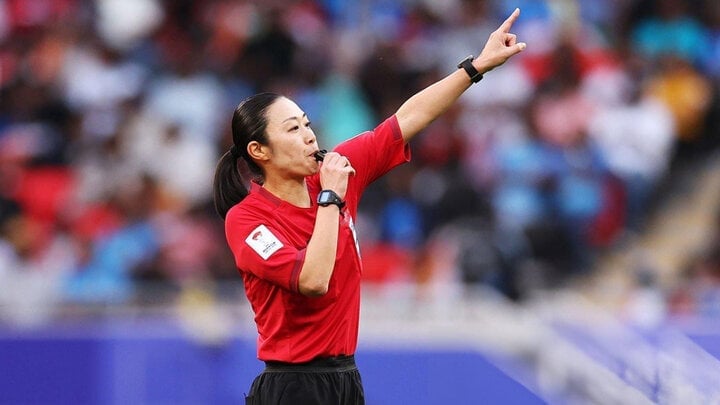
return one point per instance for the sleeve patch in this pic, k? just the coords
(263, 242)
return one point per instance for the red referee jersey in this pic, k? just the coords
(268, 238)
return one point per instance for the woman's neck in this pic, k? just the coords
(293, 192)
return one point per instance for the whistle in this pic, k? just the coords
(320, 155)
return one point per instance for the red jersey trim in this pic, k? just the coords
(295, 275)
(397, 133)
(266, 194)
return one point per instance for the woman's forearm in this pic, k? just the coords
(320, 255)
(420, 110)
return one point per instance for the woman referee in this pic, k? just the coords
(292, 233)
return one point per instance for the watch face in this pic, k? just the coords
(327, 197)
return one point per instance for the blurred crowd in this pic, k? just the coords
(113, 114)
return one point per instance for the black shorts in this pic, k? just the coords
(324, 381)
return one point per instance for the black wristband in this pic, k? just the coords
(467, 65)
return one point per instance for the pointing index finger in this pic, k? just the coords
(505, 26)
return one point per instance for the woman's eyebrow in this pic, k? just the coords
(296, 118)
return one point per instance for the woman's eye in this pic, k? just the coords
(307, 124)
(294, 128)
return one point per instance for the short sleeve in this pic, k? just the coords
(262, 251)
(374, 153)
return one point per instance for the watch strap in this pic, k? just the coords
(466, 64)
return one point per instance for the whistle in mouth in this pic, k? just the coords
(320, 155)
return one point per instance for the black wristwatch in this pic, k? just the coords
(466, 64)
(329, 197)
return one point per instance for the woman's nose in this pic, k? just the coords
(311, 137)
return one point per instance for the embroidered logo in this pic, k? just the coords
(263, 242)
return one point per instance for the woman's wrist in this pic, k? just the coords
(482, 65)
(327, 207)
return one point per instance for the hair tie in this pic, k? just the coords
(234, 151)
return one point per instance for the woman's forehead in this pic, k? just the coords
(284, 109)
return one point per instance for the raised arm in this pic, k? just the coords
(425, 106)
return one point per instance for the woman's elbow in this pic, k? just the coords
(314, 289)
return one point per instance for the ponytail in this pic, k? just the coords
(229, 186)
(235, 168)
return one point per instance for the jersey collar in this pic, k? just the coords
(257, 188)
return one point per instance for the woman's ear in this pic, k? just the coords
(257, 151)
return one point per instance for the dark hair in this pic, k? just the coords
(248, 124)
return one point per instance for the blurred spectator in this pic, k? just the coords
(686, 93)
(711, 56)
(670, 29)
(268, 53)
(577, 181)
(189, 245)
(181, 164)
(636, 139)
(122, 24)
(185, 95)
(109, 263)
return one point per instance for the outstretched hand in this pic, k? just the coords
(501, 45)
